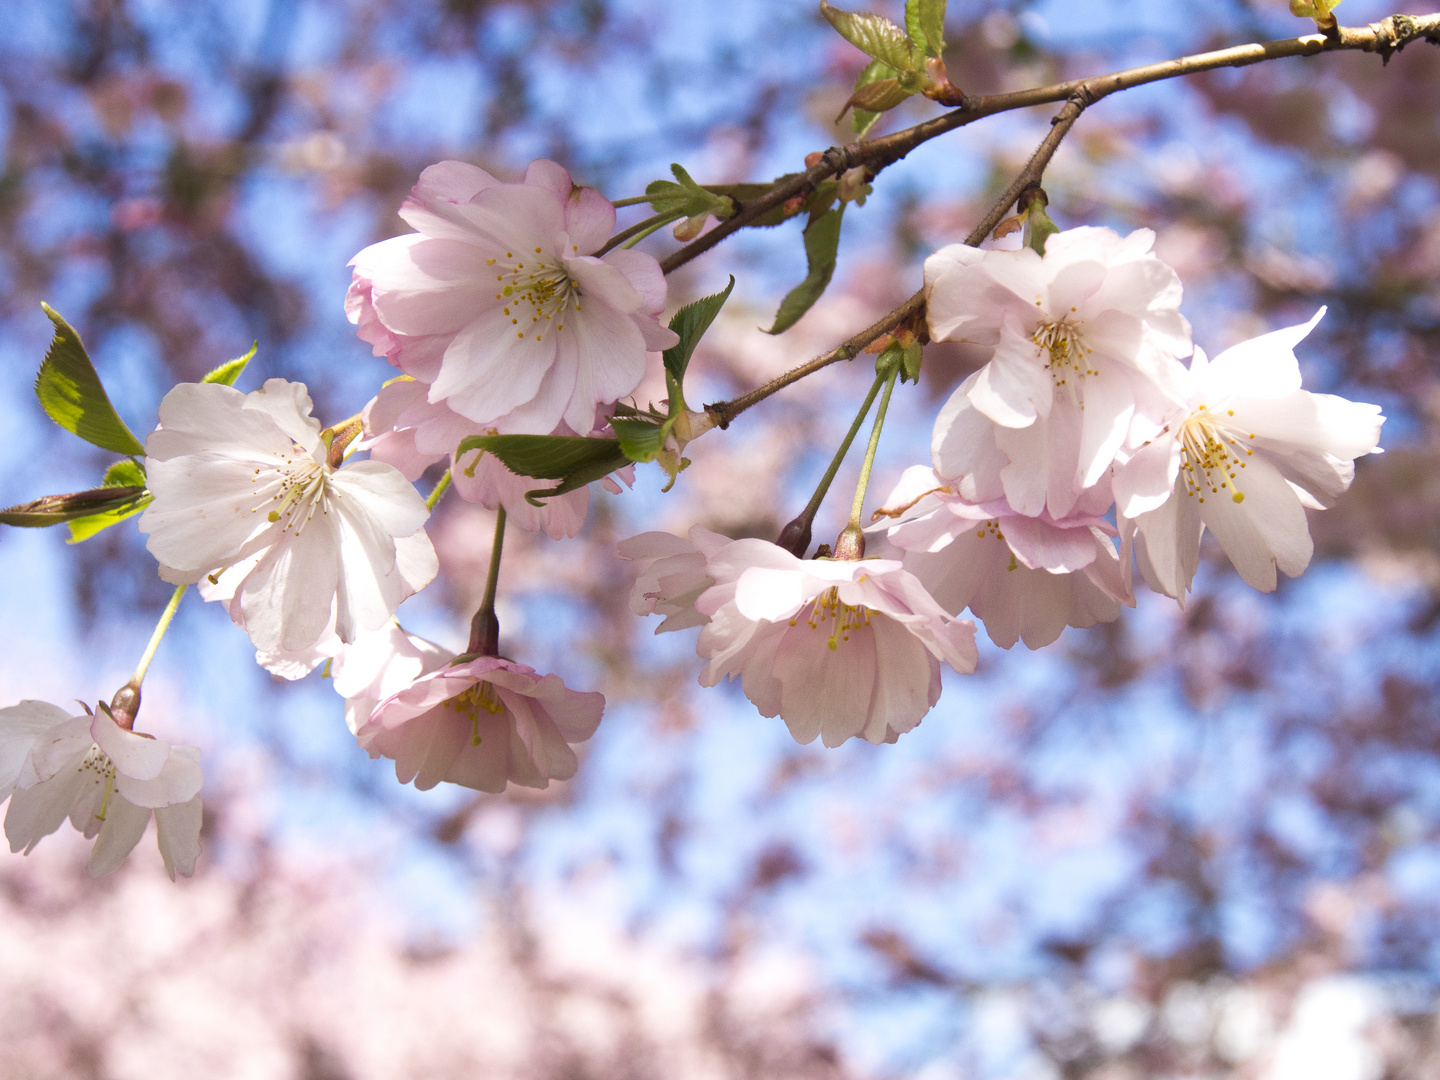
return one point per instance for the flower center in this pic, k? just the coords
(1210, 456)
(827, 607)
(294, 490)
(1069, 356)
(535, 291)
(469, 703)
(99, 763)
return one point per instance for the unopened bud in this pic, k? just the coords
(851, 544)
(125, 705)
(813, 158)
(795, 537)
(854, 185)
(691, 227)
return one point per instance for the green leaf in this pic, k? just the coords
(873, 35)
(55, 509)
(229, 371)
(925, 20)
(126, 473)
(640, 440)
(72, 396)
(83, 528)
(686, 198)
(580, 477)
(572, 459)
(878, 97)
(822, 242)
(863, 119)
(545, 457)
(690, 323)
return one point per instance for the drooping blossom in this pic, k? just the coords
(672, 574)
(380, 663)
(1026, 578)
(1082, 339)
(105, 779)
(482, 723)
(836, 648)
(412, 433)
(1244, 456)
(240, 476)
(498, 303)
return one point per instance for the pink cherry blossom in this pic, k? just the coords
(1023, 577)
(106, 780)
(237, 477)
(498, 304)
(1244, 455)
(835, 648)
(1082, 338)
(482, 723)
(672, 574)
(380, 663)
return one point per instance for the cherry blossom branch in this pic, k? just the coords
(485, 627)
(1385, 37)
(851, 544)
(126, 702)
(725, 411)
(795, 536)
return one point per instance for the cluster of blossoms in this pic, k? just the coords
(1083, 413)
(1083, 427)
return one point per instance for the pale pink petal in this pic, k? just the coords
(177, 830)
(124, 825)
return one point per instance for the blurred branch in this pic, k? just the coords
(1385, 37)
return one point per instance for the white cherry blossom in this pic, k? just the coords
(499, 305)
(836, 648)
(1082, 338)
(239, 476)
(107, 781)
(1243, 456)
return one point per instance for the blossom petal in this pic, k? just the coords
(1263, 367)
(1148, 478)
(177, 831)
(124, 825)
(825, 691)
(132, 754)
(21, 727)
(1015, 387)
(1265, 530)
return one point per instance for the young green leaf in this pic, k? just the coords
(878, 97)
(55, 509)
(822, 242)
(690, 323)
(640, 440)
(545, 457)
(925, 20)
(586, 474)
(572, 459)
(82, 528)
(229, 371)
(125, 473)
(71, 394)
(873, 35)
(863, 119)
